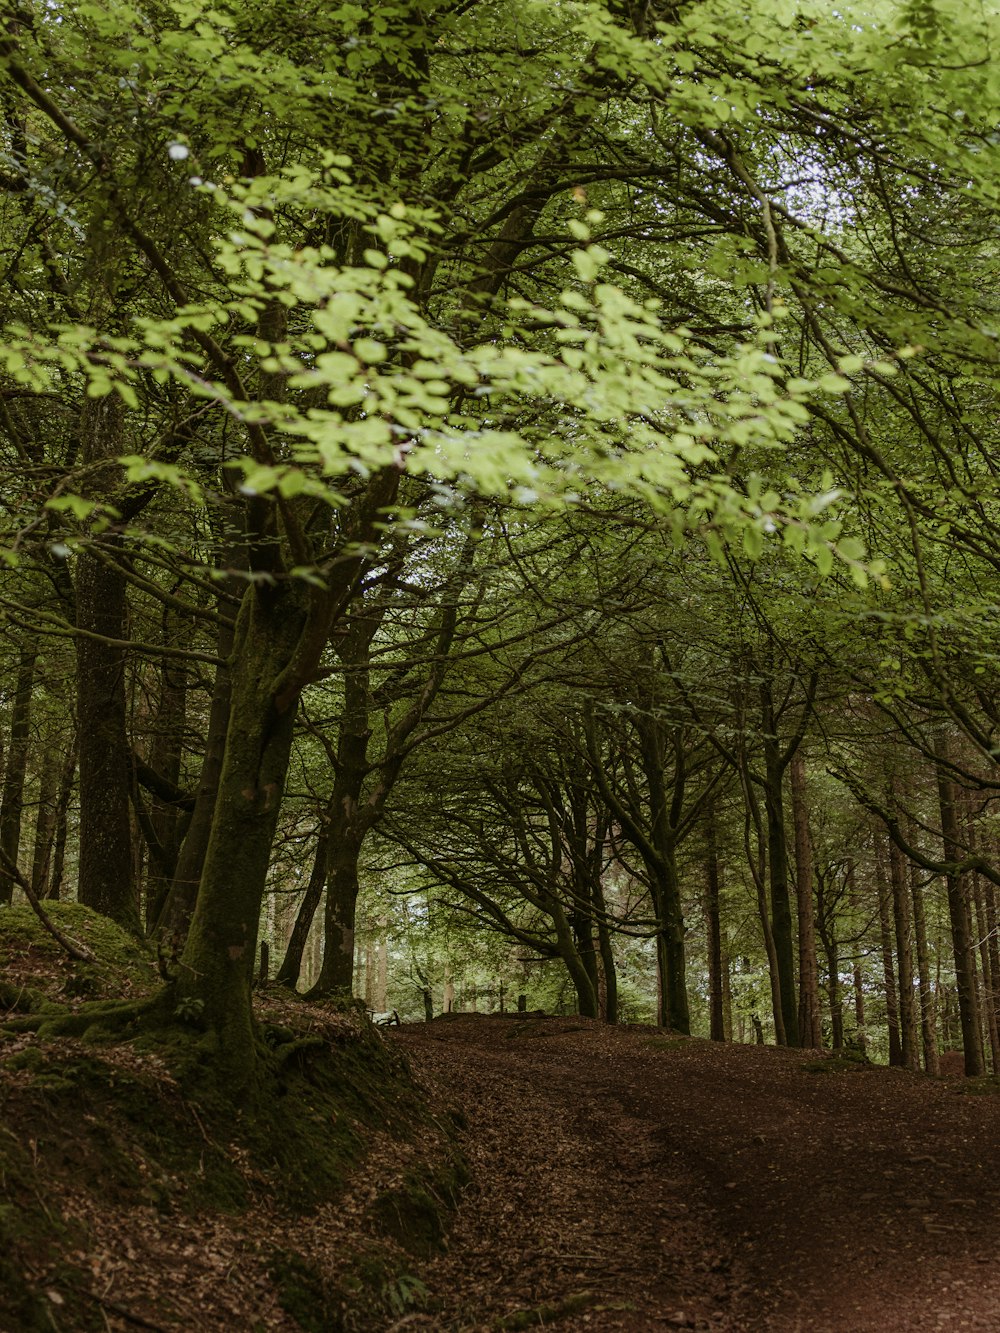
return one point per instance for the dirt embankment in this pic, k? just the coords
(627, 1180)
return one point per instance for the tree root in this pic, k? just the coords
(21, 999)
(106, 1016)
(289, 1049)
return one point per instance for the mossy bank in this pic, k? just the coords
(135, 1191)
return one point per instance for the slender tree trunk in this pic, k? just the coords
(166, 823)
(175, 915)
(717, 1023)
(888, 968)
(859, 1007)
(810, 1028)
(993, 948)
(291, 966)
(960, 917)
(988, 994)
(107, 881)
(777, 860)
(908, 1004)
(757, 865)
(45, 821)
(55, 883)
(12, 799)
(826, 923)
(609, 972)
(928, 1019)
(107, 877)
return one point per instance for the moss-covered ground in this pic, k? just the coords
(132, 1191)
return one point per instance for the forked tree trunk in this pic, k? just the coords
(216, 967)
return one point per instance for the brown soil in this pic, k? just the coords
(627, 1180)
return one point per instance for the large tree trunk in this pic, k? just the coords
(810, 1027)
(12, 801)
(342, 887)
(215, 971)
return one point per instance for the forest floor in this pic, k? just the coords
(478, 1175)
(624, 1179)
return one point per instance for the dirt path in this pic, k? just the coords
(624, 1180)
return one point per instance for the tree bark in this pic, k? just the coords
(291, 966)
(777, 858)
(901, 913)
(717, 1023)
(810, 1027)
(45, 822)
(888, 966)
(216, 967)
(106, 874)
(959, 915)
(55, 881)
(12, 800)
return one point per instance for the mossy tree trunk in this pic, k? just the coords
(215, 970)
(281, 633)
